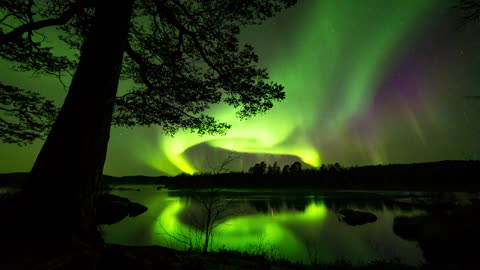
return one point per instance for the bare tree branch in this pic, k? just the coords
(137, 58)
(31, 26)
(24, 115)
(163, 10)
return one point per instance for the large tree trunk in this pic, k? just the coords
(64, 181)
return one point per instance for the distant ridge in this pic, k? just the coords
(17, 179)
(134, 179)
(448, 162)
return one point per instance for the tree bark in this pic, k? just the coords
(207, 232)
(64, 182)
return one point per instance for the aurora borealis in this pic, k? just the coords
(367, 82)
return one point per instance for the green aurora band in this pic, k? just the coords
(328, 82)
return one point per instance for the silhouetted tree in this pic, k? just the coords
(337, 166)
(182, 56)
(323, 168)
(286, 170)
(258, 168)
(213, 210)
(273, 169)
(24, 115)
(296, 168)
(334, 168)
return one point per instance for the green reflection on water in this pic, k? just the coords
(258, 233)
(282, 224)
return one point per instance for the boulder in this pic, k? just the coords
(354, 218)
(135, 209)
(112, 209)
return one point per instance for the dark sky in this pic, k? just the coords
(367, 82)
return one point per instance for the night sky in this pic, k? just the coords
(367, 82)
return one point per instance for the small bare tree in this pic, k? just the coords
(216, 210)
(224, 165)
(213, 210)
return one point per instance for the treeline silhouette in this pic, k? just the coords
(432, 176)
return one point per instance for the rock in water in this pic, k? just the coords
(135, 209)
(112, 209)
(355, 218)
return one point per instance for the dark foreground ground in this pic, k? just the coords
(155, 257)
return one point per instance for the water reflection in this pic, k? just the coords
(296, 226)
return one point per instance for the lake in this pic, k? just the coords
(298, 225)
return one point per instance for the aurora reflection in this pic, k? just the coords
(243, 232)
(287, 232)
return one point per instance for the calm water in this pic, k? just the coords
(298, 225)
